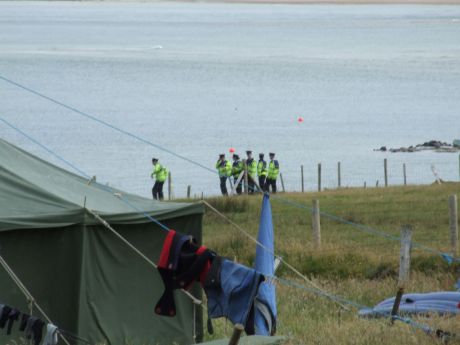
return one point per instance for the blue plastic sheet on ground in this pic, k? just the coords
(441, 303)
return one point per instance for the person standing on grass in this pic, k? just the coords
(160, 173)
(252, 171)
(224, 168)
(237, 168)
(272, 175)
(262, 171)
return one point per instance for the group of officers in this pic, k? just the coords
(267, 173)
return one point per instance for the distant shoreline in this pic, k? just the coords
(272, 2)
(315, 2)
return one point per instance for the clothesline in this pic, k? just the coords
(252, 238)
(26, 293)
(32, 326)
(446, 256)
(74, 167)
(315, 290)
(138, 252)
(107, 188)
(130, 134)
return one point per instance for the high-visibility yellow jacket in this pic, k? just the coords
(252, 167)
(224, 167)
(273, 169)
(160, 172)
(262, 168)
(237, 168)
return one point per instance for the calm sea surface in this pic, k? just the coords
(198, 79)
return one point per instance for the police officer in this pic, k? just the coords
(224, 167)
(161, 173)
(237, 168)
(262, 171)
(272, 174)
(252, 171)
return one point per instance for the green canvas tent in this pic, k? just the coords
(87, 280)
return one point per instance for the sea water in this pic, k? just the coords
(197, 79)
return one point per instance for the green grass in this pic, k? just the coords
(351, 263)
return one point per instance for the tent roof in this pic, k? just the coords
(37, 194)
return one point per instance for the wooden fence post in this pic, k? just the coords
(169, 186)
(236, 335)
(404, 173)
(301, 178)
(316, 224)
(453, 224)
(282, 182)
(319, 177)
(339, 175)
(189, 189)
(404, 266)
(385, 171)
(246, 181)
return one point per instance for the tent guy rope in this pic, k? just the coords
(87, 176)
(315, 291)
(137, 251)
(292, 268)
(339, 219)
(118, 195)
(446, 256)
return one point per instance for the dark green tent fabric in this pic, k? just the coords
(37, 194)
(84, 277)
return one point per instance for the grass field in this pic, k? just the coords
(351, 263)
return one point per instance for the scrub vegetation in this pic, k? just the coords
(351, 263)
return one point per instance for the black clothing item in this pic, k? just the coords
(24, 320)
(157, 190)
(4, 317)
(251, 182)
(30, 323)
(239, 187)
(272, 183)
(262, 182)
(37, 331)
(13, 316)
(181, 263)
(223, 185)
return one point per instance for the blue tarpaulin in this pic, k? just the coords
(442, 303)
(265, 311)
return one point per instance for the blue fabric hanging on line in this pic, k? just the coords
(265, 311)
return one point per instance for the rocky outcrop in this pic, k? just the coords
(434, 145)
